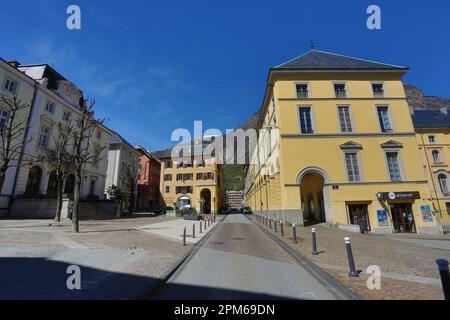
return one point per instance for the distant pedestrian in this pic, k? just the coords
(363, 224)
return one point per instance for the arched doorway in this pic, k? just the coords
(69, 184)
(52, 186)
(205, 198)
(34, 181)
(312, 188)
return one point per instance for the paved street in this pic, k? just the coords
(117, 259)
(239, 261)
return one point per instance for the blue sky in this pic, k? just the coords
(154, 66)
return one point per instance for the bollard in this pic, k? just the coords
(275, 225)
(267, 222)
(201, 231)
(215, 218)
(184, 236)
(314, 242)
(445, 277)
(281, 228)
(205, 225)
(270, 223)
(209, 222)
(193, 231)
(351, 261)
(294, 234)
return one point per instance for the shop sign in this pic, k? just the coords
(398, 195)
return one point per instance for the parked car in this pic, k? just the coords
(225, 210)
(246, 210)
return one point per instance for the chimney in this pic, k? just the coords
(444, 110)
(14, 63)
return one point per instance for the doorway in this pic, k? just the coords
(205, 198)
(403, 218)
(357, 212)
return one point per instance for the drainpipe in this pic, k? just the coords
(27, 128)
(431, 175)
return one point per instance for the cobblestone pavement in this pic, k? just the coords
(117, 260)
(409, 271)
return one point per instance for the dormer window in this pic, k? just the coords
(10, 85)
(302, 90)
(378, 90)
(340, 90)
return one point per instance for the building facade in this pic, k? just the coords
(51, 99)
(433, 138)
(123, 167)
(339, 147)
(194, 182)
(148, 196)
(234, 199)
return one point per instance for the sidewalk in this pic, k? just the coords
(409, 271)
(117, 259)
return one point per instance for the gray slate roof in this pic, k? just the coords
(315, 59)
(429, 119)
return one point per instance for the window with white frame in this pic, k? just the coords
(345, 120)
(306, 125)
(302, 90)
(384, 119)
(66, 116)
(378, 90)
(10, 85)
(443, 183)
(50, 107)
(340, 90)
(436, 156)
(352, 166)
(44, 136)
(4, 117)
(393, 165)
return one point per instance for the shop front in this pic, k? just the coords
(400, 206)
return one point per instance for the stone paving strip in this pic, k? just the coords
(173, 230)
(407, 263)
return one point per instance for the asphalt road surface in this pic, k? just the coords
(239, 261)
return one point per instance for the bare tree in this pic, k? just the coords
(130, 176)
(12, 136)
(82, 153)
(60, 160)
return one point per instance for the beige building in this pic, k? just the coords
(194, 182)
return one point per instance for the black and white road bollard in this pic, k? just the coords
(275, 225)
(184, 235)
(351, 262)
(314, 242)
(294, 234)
(445, 277)
(201, 231)
(193, 231)
(281, 228)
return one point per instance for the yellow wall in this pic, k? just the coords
(298, 152)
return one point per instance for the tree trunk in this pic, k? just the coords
(59, 193)
(2, 179)
(76, 202)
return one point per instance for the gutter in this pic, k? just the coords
(30, 114)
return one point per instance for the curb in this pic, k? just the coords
(338, 289)
(176, 268)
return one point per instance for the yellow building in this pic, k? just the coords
(195, 182)
(338, 146)
(433, 137)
